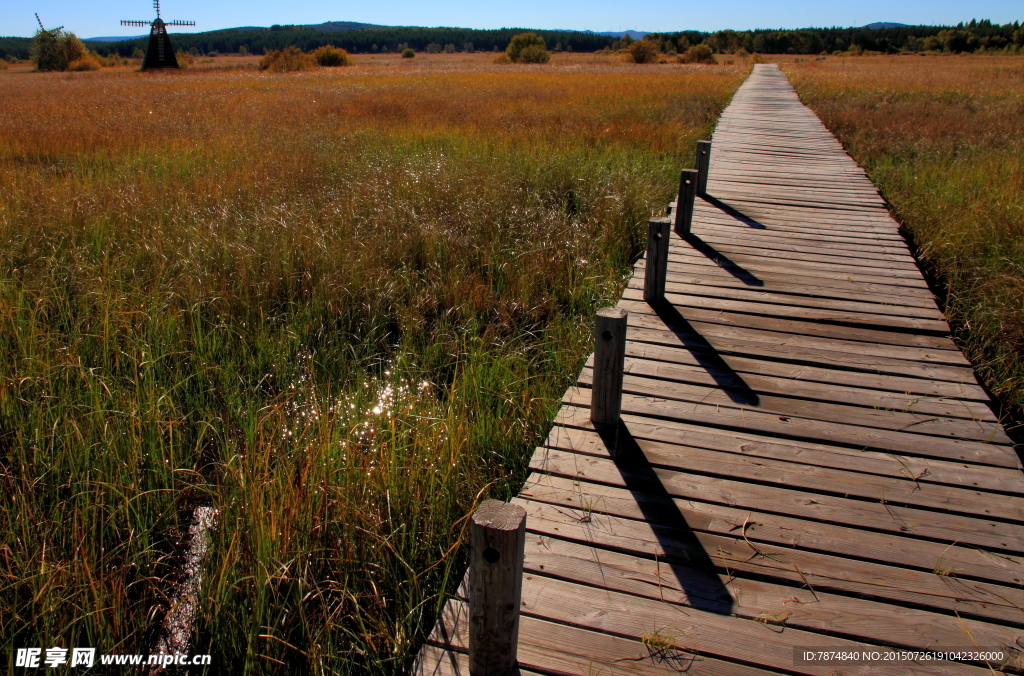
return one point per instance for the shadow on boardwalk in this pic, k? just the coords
(706, 355)
(703, 587)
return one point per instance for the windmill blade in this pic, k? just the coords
(180, 23)
(156, 6)
(136, 23)
(40, 22)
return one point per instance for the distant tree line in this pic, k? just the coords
(263, 40)
(975, 36)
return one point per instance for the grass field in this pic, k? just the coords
(338, 307)
(942, 138)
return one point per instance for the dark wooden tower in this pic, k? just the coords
(160, 53)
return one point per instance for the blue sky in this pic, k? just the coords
(103, 18)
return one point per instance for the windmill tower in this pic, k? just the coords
(160, 53)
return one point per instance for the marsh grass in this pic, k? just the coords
(338, 308)
(942, 139)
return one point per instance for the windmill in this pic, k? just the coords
(40, 22)
(159, 54)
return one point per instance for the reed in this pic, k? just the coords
(337, 306)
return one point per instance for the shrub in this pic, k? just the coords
(3, 64)
(449, 48)
(185, 60)
(55, 50)
(699, 54)
(433, 48)
(525, 41)
(287, 59)
(643, 51)
(408, 53)
(243, 50)
(331, 56)
(502, 58)
(468, 48)
(742, 53)
(534, 54)
(87, 62)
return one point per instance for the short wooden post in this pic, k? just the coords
(659, 231)
(684, 203)
(703, 164)
(498, 537)
(609, 360)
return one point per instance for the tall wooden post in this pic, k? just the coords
(609, 360)
(659, 231)
(498, 537)
(684, 203)
(703, 164)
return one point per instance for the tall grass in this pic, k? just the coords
(339, 308)
(942, 138)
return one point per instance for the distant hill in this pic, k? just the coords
(115, 38)
(326, 26)
(329, 26)
(884, 24)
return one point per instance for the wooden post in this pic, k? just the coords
(684, 203)
(609, 360)
(498, 537)
(659, 231)
(703, 164)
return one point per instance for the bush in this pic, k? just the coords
(502, 58)
(408, 53)
(287, 59)
(185, 60)
(742, 53)
(433, 48)
(87, 62)
(449, 48)
(55, 50)
(643, 51)
(528, 41)
(3, 64)
(699, 54)
(534, 54)
(331, 56)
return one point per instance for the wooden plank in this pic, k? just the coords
(849, 372)
(775, 379)
(769, 296)
(553, 648)
(740, 395)
(878, 515)
(848, 482)
(799, 607)
(731, 339)
(703, 632)
(922, 470)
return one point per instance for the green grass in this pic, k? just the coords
(339, 308)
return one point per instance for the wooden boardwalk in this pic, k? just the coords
(806, 461)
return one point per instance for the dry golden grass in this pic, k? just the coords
(942, 138)
(338, 306)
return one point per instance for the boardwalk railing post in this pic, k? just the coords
(684, 203)
(498, 537)
(659, 231)
(702, 165)
(609, 360)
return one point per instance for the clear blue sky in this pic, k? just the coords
(94, 19)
